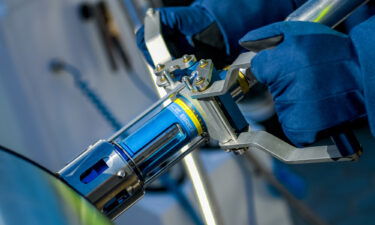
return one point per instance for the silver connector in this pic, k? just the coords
(105, 177)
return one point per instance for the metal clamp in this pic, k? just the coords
(221, 87)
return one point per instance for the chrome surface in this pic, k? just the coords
(154, 39)
(118, 181)
(285, 152)
(328, 12)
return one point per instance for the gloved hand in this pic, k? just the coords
(313, 75)
(179, 25)
(212, 28)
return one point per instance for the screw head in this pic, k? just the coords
(199, 80)
(159, 67)
(203, 63)
(186, 58)
(121, 173)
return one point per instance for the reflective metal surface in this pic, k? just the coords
(221, 87)
(160, 55)
(154, 39)
(104, 177)
(328, 12)
(218, 125)
(203, 190)
(32, 195)
(285, 152)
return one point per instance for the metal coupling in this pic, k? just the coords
(106, 177)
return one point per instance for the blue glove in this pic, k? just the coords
(179, 24)
(313, 75)
(361, 14)
(212, 28)
(363, 37)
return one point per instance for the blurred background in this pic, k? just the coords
(51, 114)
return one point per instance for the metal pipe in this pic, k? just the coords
(328, 12)
(202, 188)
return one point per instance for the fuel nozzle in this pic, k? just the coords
(113, 173)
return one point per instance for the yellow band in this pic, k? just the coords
(191, 115)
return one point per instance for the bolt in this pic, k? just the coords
(186, 58)
(121, 173)
(159, 67)
(199, 80)
(203, 63)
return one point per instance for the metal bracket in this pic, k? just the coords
(202, 75)
(154, 40)
(165, 72)
(222, 87)
(285, 152)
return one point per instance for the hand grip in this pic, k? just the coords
(329, 13)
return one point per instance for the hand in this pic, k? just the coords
(313, 75)
(182, 25)
(212, 28)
